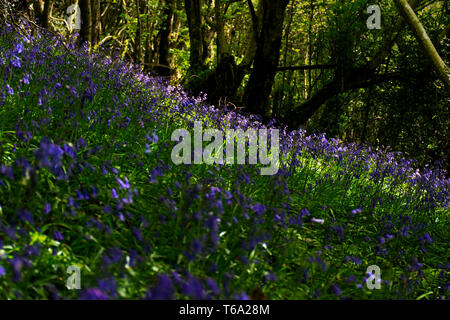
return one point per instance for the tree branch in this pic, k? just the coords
(353, 79)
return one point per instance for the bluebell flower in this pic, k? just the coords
(19, 48)
(16, 264)
(58, 236)
(269, 277)
(93, 294)
(428, 238)
(26, 79)
(241, 296)
(2, 271)
(336, 289)
(109, 286)
(213, 286)
(194, 288)
(16, 62)
(305, 212)
(25, 215)
(353, 259)
(157, 172)
(113, 256)
(94, 192)
(259, 208)
(163, 290)
(123, 184)
(50, 155)
(137, 233)
(9, 89)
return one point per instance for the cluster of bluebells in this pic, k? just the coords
(86, 179)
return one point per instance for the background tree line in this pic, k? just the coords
(309, 63)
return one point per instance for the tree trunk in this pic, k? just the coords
(86, 21)
(148, 55)
(265, 65)
(252, 37)
(96, 24)
(222, 46)
(137, 39)
(164, 39)
(308, 59)
(46, 14)
(38, 8)
(195, 24)
(421, 35)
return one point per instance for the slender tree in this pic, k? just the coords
(421, 35)
(38, 7)
(96, 21)
(222, 47)
(163, 68)
(44, 16)
(137, 39)
(86, 21)
(195, 24)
